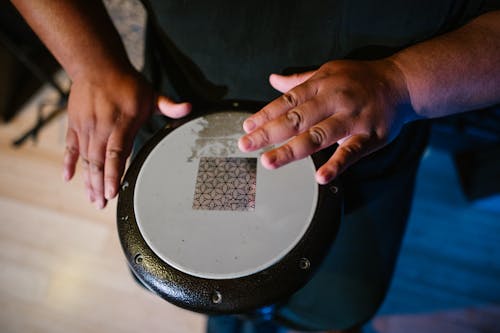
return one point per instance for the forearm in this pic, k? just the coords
(455, 72)
(80, 34)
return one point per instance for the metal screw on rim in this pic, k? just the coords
(124, 185)
(304, 263)
(138, 258)
(216, 297)
(334, 189)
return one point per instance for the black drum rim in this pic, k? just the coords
(236, 295)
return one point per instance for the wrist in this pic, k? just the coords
(102, 70)
(397, 86)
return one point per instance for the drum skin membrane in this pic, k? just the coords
(212, 211)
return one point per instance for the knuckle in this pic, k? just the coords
(72, 150)
(84, 159)
(111, 176)
(295, 119)
(318, 136)
(349, 150)
(291, 99)
(264, 115)
(131, 111)
(344, 99)
(114, 153)
(288, 153)
(96, 166)
(264, 136)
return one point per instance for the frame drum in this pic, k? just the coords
(207, 228)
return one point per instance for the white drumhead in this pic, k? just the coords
(211, 211)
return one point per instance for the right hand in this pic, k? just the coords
(361, 105)
(104, 116)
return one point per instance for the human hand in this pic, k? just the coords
(359, 105)
(104, 116)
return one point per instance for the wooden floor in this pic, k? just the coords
(61, 265)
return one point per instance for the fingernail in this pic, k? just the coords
(245, 143)
(99, 203)
(268, 160)
(110, 191)
(248, 125)
(66, 175)
(324, 177)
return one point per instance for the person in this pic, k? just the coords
(373, 69)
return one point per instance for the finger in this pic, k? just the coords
(84, 162)
(70, 155)
(349, 152)
(292, 123)
(172, 109)
(117, 151)
(279, 106)
(96, 153)
(284, 83)
(319, 136)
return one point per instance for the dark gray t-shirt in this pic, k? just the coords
(237, 44)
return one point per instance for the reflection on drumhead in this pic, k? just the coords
(212, 211)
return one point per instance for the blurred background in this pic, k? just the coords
(62, 268)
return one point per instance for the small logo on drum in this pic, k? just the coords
(226, 183)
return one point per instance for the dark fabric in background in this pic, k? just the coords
(237, 44)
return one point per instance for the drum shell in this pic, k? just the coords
(236, 295)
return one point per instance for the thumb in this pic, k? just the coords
(170, 108)
(284, 83)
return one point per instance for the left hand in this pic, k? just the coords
(362, 105)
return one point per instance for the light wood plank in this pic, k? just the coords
(61, 264)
